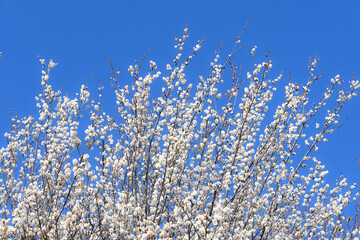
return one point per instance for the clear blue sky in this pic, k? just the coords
(82, 35)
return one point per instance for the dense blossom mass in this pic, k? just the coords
(189, 162)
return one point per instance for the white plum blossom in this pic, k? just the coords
(177, 158)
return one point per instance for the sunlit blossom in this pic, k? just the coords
(192, 161)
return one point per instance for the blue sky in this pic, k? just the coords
(82, 35)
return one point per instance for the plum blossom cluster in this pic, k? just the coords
(191, 162)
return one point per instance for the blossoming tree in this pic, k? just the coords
(191, 162)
